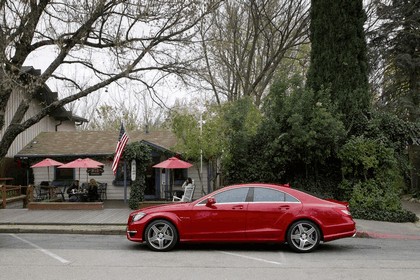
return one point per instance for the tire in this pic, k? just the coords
(303, 236)
(161, 235)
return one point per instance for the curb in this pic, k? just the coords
(377, 235)
(65, 229)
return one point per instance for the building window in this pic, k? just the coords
(63, 174)
(119, 175)
(180, 175)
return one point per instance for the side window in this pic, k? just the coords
(290, 198)
(268, 195)
(232, 196)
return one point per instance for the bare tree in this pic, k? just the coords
(136, 110)
(244, 43)
(104, 41)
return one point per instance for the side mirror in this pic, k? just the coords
(210, 201)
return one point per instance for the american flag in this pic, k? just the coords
(122, 141)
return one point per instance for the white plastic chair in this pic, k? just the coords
(187, 196)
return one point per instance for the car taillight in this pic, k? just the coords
(345, 211)
(342, 211)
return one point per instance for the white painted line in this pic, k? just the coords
(54, 256)
(250, 258)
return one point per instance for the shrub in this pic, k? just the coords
(373, 181)
(141, 153)
(396, 216)
(372, 195)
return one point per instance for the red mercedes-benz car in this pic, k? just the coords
(244, 213)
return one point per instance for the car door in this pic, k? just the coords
(269, 214)
(223, 220)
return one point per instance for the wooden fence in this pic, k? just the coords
(11, 193)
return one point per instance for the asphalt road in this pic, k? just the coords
(47, 256)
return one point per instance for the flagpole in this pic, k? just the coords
(125, 181)
(122, 141)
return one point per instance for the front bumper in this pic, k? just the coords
(134, 233)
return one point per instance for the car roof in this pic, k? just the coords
(267, 185)
(302, 196)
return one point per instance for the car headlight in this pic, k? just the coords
(138, 216)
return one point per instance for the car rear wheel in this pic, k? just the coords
(161, 235)
(303, 236)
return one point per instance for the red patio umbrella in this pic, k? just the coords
(173, 163)
(82, 163)
(47, 163)
(89, 161)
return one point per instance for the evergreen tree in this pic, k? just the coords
(338, 57)
(397, 42)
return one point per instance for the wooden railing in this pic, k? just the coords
(11, 193)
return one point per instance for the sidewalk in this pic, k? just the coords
(113, 218)
(110, 220)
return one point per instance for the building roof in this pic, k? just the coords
(90, 143)
(47, 96)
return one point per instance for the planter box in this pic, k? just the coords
(65, 206)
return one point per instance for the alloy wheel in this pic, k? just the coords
(161, 235)
(303, 236)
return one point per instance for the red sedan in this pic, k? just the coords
(244, 213)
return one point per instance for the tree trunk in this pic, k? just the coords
(414, 158)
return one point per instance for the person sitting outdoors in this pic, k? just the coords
(93, 190)
(187, 182)
(71, 191)
(180, 195)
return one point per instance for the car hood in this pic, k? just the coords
(165, 207)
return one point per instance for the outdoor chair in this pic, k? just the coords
(102, 191)
(188, 194)
(41, 194)
(60, 191)
(60, 188)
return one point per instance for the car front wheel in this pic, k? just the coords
(161, 235)
(303, 236)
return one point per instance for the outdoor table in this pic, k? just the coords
(82, 195)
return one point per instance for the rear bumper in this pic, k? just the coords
(340, 231)
(332, 237)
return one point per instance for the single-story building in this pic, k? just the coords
(65, 146)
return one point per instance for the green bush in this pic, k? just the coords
(322, 187)
(137, 193)
(396, 216)
(372, 181)
(372, 195)
(141, 153)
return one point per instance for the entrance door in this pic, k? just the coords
(150, 192)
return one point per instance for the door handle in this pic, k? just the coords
(284, 207)
(240, 207)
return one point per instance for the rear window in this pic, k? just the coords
(268, 195)
(272, 195)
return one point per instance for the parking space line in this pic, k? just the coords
(250, 258)
(46, 252)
